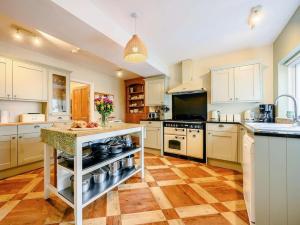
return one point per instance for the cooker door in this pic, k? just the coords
(175, 144)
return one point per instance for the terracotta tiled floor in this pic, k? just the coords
(174, 192)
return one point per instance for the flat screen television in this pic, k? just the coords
(189, 106)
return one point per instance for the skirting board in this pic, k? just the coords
(225, 164)
(20, 169)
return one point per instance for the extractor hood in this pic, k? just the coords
(188, 85)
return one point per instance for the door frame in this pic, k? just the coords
(91, 110)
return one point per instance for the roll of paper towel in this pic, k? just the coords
(4, 116)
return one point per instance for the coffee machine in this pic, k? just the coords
(266, 113)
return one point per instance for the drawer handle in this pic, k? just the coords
(176, 137)
(13, 138)
(221, 125)
(36, 126)
(59, 117)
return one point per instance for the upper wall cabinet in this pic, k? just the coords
(155, 91)
(236, 84)
(29, 82)
(5, 78)
(59, 94)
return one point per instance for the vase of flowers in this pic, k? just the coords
(104, 106)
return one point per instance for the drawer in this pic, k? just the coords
(32, 128)
(59, 118)
(8, 130)
(156, 124)
(222, 127)
(175, 131)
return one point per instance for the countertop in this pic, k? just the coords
(22, 123)
(65, 139)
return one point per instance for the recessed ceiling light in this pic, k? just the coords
(75, 50)
(255, 16)
(37, 41)
(119, 73)
(18, 35)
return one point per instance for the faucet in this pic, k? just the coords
(296, 119)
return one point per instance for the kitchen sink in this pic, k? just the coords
(275, 127)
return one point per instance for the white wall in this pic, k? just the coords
(102, 82)
(202, 66)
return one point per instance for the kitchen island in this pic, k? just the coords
(62, 139)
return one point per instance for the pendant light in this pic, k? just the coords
(135, 50)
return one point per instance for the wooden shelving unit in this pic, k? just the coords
(135, 100)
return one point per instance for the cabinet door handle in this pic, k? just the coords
(8, 95)
(20, 137)
(221, 125)
(13, 138)
(36, 126)
(60, 118)
(15, 96)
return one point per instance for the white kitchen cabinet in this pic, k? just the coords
(8, 151)
(154, 91)
(58, 96)
(236, 84)
(222, 85)
(5, 78)
(222, 144)
(241, 133)
(29, 82)
(247, 83)
(153, 137)
(195, 140)
(30, 148)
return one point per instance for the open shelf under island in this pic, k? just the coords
(72, 142)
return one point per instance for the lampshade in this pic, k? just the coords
(135, 50)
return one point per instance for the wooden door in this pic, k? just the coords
(29, 82)
(30, 148)
(247, 83)
(80, 103)
(5, 78)
(222, 83)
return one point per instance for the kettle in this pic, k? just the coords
(215, 115)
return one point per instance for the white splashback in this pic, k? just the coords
(15, 108)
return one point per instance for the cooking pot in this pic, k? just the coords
(87, 156)
(99, 175)
(86, 182)
(115, 168)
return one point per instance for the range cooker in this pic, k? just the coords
(185, 138)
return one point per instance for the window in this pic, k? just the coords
(293, 83)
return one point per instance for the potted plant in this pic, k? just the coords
(104, 106)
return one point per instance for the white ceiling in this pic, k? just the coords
(179, 29)
(82, 58)
(173, 30)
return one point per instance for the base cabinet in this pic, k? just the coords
(221, 142)
(30, 148)
(153, 136)
(8, 148)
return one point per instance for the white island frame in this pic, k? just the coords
(79, 202)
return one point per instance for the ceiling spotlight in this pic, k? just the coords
(75, 50)
(255, 16)
(119, 73)
(18, 35)
(36, 41)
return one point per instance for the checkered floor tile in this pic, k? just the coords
(174, 192)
